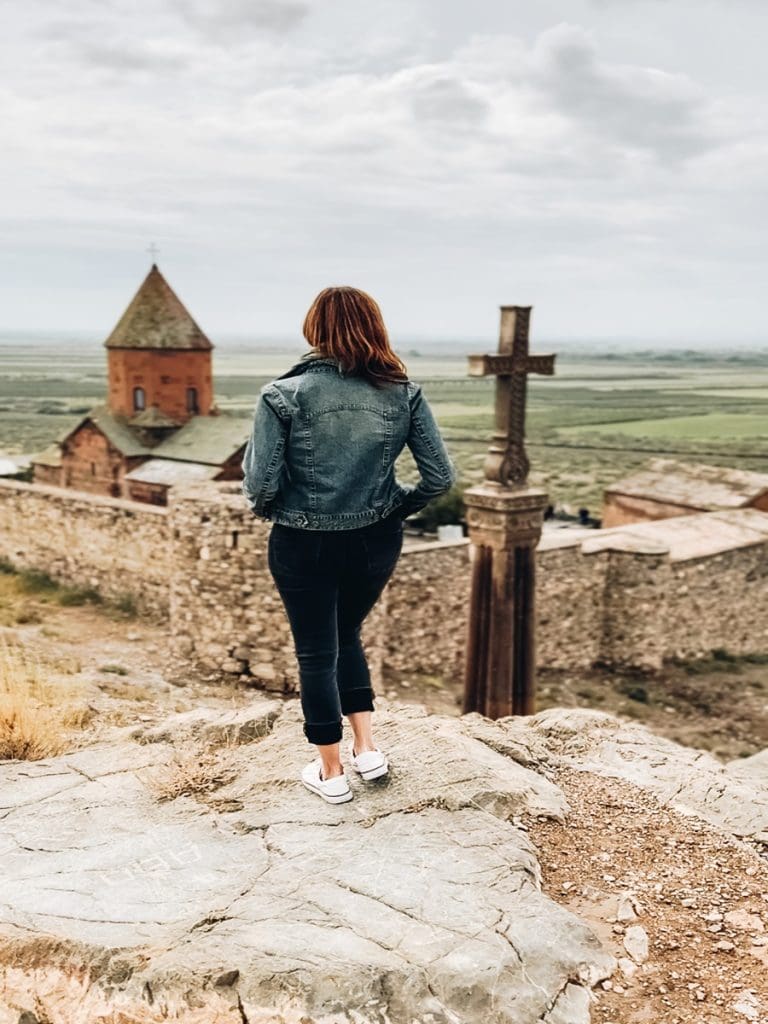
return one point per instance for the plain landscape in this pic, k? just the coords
(605, 412)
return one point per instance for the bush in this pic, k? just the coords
(78, 595)
(126, 603)
(195, 771)
(118, 670)
(36, 581)
(448, 508)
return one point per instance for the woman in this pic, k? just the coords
(320, 464)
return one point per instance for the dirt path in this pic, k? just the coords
(114, 660)
(701, 899)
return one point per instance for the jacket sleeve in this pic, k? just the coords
(437, 470)
(264, 455)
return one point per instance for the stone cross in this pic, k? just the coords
(505, 519)
(507, 462)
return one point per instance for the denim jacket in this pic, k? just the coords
(324, 443)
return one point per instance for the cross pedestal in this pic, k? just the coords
(505, 519)
(504, 529)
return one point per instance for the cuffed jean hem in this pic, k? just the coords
(358, 699)
(323, 732)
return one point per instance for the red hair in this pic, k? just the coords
(347, 324)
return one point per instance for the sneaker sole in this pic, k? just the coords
(373, 773)
(340, 799)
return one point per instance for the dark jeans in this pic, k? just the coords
(328, 581)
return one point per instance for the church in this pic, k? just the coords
(159, 425)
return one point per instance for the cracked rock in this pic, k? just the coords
(418, 900)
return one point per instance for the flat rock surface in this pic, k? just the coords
(734, 797)
(183, 873)
(178, 871)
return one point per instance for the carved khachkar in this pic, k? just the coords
(505, 518)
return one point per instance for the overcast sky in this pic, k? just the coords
(603, 160)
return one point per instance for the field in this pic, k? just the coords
(598, 418)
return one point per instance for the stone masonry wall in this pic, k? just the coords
(202, 562)
(120, 548)
(225, 611)
(719, 602)
(570, 590)
(227, 616)
(616, 606)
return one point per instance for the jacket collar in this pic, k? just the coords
(309, 359)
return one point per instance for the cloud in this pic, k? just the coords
(448, 101)
(264, 132)
(227, 20)
(642, 108)
(124, 54)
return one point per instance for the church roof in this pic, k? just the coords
(210, 439)
(157, 319)
(167, 472)
(50, 456)
(693, 485)
(152, 417)
(206, 439)
(114, 428)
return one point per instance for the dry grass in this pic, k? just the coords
(37, 714)
(195, 771)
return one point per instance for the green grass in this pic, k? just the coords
(41, 585)
(126, 605)
(73, 596)
(714, 426)
(601, 417)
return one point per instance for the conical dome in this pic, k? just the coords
(157, 319)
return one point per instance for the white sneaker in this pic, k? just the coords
(371, 764)
(335, 790)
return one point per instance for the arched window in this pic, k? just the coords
(192, 405)
(138, 399)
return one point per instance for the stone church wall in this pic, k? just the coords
(120, 548)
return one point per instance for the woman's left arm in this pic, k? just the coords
(264, 455)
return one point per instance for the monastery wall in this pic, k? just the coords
(615, 599)
(719, 602)
(120, 548)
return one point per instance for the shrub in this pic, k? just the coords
(448, 508)
(78, 595)
(36, 581)
(118, 670)
(126, 603)
(194, 772)
(28, 615)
